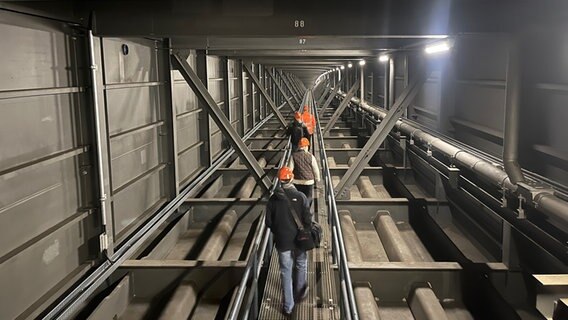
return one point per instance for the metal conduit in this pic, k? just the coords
(546, 202)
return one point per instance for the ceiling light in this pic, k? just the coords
(437, 47)
(342, 67)
(349, 65)
(383, 58)
(362, 63)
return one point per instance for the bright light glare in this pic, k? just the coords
(437, 47)
(342, 67)
(362, 62)
(350, 65)
(383, 58)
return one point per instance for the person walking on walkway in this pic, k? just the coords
(306, 170)
(280, 220)
(296, 130)
(309, 120)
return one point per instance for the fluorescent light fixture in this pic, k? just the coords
(437, 47)
(362, 63)
(342, 67)
(383, 58)
(349, 65)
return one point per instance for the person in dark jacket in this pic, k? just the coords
(296, 130)
(281, 222)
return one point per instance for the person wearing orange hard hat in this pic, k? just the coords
(306, 170)
(309, 120)
(296, 130)
(284, 203)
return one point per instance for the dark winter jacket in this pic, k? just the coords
(297, 130)
(279, 216)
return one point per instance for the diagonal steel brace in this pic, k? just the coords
(330, 98)
(279, 86)
(380, 134)
(339, 111)
(265, 95)
(221, 120)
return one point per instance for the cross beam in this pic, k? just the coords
(221, 120)
(265, 95)
(339, 111)
(380, 134)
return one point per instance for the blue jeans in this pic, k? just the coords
(299, 260)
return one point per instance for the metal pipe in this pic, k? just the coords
(181, 303)
(393, 242)
(548, 203)
(98, 138)
(218, 239)
(366, 303)
(425, 305)
(512, 115)
(351, 240)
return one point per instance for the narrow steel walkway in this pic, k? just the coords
(321, 303)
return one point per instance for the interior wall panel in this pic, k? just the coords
(46, 171)
(135, 123)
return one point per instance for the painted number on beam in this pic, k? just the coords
(302, 41)
(298, 23)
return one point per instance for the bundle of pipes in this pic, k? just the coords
(184, 297)
(423, 301)
(544, 201)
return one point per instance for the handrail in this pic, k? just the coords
(337, 235)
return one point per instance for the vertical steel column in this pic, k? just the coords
(240, 87)
(362, 82)
(386, 97)
(391, 82)
(512, 115)
(101, 143)
(204, 125)
(406, 79)
(169, 115)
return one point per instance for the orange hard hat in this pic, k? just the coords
(305, 108)
(297, 115)
(285, 174)
(304, 142)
